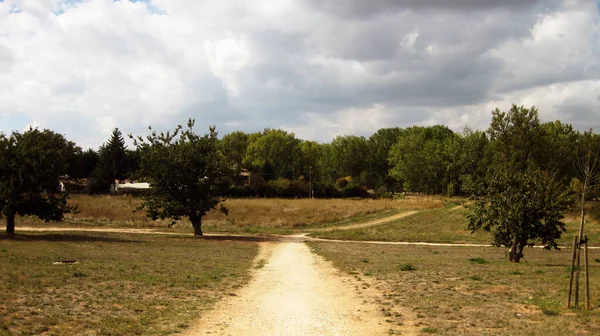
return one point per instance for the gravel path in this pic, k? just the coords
(295, 293)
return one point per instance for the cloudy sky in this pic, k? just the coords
(318, 68)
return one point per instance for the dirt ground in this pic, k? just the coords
(294, 292)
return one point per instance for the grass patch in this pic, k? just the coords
(429, 330)
(408, 267)
(478, 260)
(442, 225)
(114, 284)
(260, 264)
(443, 293)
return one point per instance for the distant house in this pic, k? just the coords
(74, 186)
(244, 178)
(127, 186)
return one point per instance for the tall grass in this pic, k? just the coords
(244, 213)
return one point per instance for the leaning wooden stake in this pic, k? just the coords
(572, 269)
(577, 275)
(587, 275)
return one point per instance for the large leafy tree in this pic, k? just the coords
(182, 168)
(422, 158)
(234, 147)
(380, 144)
(30, 165)
(349, 155)
(516, 137)
(522, 207)
(274, 154)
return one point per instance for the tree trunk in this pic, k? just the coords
(516, 252)
(10, 223)
(197, 224)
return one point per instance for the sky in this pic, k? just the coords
(318, 68)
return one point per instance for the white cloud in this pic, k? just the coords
(83, 67)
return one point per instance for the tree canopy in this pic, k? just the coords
(522, 207)
(30, 165)
(182, 168)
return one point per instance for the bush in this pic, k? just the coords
(284, 188)
(478, 260)
(408, 267)
(342, 182)
(386, 194)
(243, 191)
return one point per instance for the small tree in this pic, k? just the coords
(523, 206)
(182, 168)
(30, 166)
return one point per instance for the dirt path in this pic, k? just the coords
(367, 224)
(295, 293)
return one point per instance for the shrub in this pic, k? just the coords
(478, 260)
(408, 267)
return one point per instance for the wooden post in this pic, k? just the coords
(577, 275)
(572, 269)
(587, 276)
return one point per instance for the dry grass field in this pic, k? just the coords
(118, 284)
(255, 215)
(470, 291)
(448, 224)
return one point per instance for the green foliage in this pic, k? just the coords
(516, 136)
(478, 260)
(182, 168)
(348, 155)
(423, 158)
(234, 146)
(274, 154)
(476, 278)
(522, 206)
(408, 267)
(112, 163)
(379, 145)
(30, 165)
(284, 188)
(429, 330)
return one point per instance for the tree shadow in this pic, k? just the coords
(64, 237)
(249, 238)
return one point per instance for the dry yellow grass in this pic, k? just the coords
(245, 215)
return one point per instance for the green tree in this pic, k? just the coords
(30, 165)
(234, 146)
(182, 168)
(473, 160)
(274, 154)
(522, 207)
(349, 155)
(516, 137)
(380, 144)
(422, 158)
(113, 161)
(89, 161)
(559, 145)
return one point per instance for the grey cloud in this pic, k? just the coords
(295, 71)
(365, 9)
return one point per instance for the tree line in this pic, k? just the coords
(417, 159)
(521, 173)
